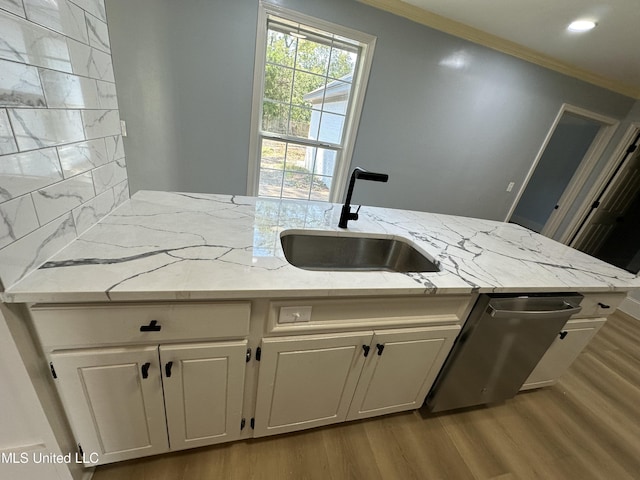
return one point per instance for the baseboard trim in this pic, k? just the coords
(631, 307)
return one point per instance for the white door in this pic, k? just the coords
(400, 369)
(203, 389)
(613, 206)
(307, 381)
(575, 336)
(113, 397)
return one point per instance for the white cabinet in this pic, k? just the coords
(573, 338)
(115, 402)
(113, 398)
(314, 380)
(133, 385)
(307, 381)
(400, 369)
(203, 387)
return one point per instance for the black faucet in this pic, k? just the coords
(361, 173)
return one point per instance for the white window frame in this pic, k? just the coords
(361, 76)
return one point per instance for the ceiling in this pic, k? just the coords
(535, 30)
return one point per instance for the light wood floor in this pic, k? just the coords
(585, 427)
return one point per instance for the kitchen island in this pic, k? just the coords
(181, 246)
(177, 321)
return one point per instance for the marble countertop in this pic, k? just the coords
(182, 246)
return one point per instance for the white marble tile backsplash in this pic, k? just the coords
(64, 90)
(26, 42)
(81, 157)
(90, 62)
(20, 85)
(98, 34)
(109, 175)
(107, 95)
(94, 7)
(45, 128)
(62, 161)
(17, 218)
(88, 214)
(26, 172)
(13, 6)
(60, 15)
(59, 198)
(115, 148)
(121, 192)
(101, 123)
(7, 142)
(24, 255)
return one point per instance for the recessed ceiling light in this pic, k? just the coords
(581, 26)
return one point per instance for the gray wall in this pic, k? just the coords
(187, 74)
(451, 122)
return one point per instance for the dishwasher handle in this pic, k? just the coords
(567, 310)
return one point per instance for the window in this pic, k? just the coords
(308, 91)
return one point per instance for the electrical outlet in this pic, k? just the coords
(510, 186)
(294, 314)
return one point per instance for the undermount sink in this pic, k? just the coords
(323, 251)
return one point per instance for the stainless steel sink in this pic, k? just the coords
(317, 251)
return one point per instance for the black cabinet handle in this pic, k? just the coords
(366, 349)
(145, 370)
(152, 327)
(603, 305)
(563, 334)
(167, 369)
(380, 348)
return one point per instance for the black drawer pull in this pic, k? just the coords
(152, 327)
(145, 370)
(603, 305)
(563, 334)
(167, 369)
(380, 348)
(366, 349)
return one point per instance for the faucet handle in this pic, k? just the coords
(354, 215)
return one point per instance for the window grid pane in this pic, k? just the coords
(306, 94)
(291, 170)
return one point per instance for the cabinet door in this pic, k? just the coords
(203, 390)
(400, 369)
(113, 398)
(307, 381)
(563, 352)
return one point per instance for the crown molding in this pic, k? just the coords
(499, 44)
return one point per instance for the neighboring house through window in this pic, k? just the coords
(309, 86)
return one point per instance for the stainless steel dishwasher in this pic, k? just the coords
(499, 346)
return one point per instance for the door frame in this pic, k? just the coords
(606, 182)
(577, 182)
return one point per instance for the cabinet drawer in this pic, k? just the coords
(318, 315)
(78, 326)
(600, 304)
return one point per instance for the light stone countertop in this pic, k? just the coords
(182, 246)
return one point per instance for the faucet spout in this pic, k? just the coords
(363, 174)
